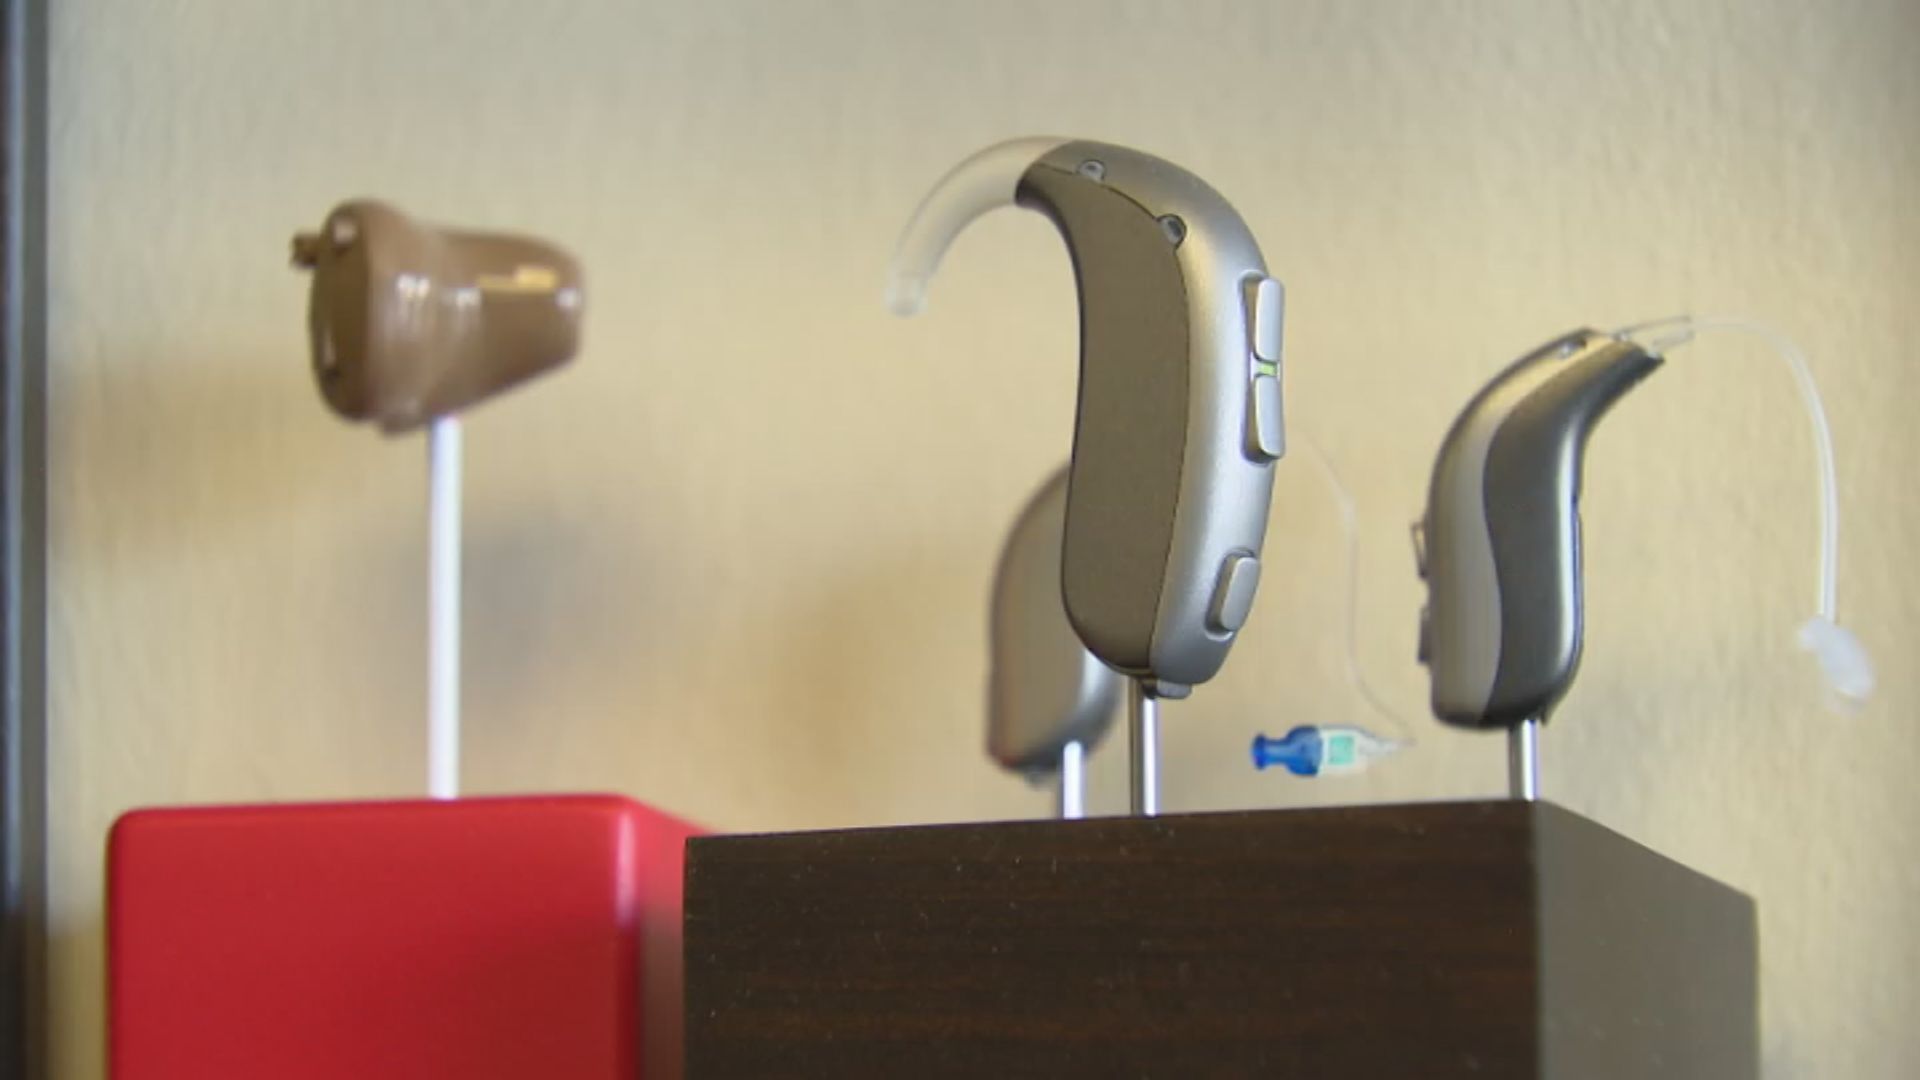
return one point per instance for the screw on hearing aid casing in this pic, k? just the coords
(410, 322)
(1093, 170)
(1175, 229)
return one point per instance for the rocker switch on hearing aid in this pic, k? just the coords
(1266, 425)
(1266, 434)
(1233, 593)
(1269, 305)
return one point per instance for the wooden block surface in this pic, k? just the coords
(1403, 941)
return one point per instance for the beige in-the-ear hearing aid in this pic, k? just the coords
(411, 322)
(411, 325)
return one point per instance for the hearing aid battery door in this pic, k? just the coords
(477, 939)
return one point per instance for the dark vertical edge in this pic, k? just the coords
(23, 534)
(1648, 969)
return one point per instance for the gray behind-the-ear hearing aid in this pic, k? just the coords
(1179, 418)
(1044, 689)
(1500, 543)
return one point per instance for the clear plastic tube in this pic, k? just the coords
(1844, 661)
(1349, 524)
(1679, 330)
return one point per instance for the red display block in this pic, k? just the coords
(470, 939)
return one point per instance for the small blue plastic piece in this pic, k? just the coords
(1298, 750)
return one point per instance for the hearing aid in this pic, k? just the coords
(409, 322)
(1049, 700)
(409, 325)
(1499, 546)
(1179, 419)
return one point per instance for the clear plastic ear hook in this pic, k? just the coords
(984, 182)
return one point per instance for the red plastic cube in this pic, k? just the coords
(469, 939)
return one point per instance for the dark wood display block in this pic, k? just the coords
(1487, 940)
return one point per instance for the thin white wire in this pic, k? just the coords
(443, 608)
(1349, 522)
(1683, 328)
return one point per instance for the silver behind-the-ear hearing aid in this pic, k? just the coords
(1500, 543)
(1179, 419)
(1049, 700)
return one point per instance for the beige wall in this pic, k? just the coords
(733, 562)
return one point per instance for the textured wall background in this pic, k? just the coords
(734, 561)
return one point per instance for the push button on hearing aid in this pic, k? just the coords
(1233, 593)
